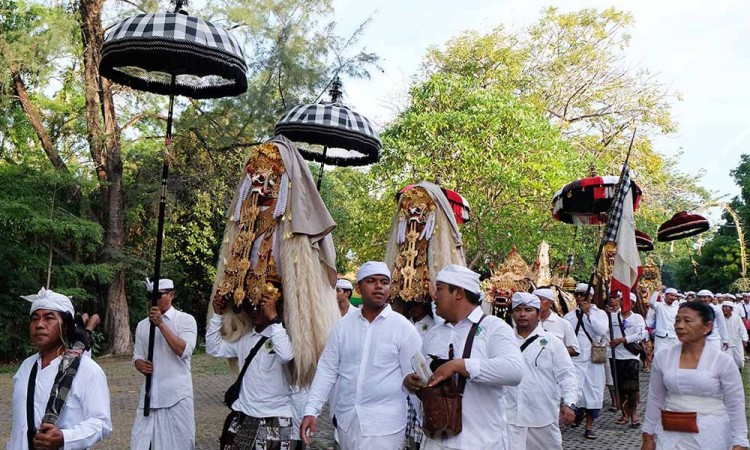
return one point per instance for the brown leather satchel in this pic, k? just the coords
(441, 404)
(682, 422)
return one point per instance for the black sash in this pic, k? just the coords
(528, 342)
(30, 428)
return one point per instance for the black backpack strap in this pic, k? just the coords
(30, 427)
(528, 342)
(581, 326)
(467, 350)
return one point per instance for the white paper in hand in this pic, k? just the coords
(421, 367)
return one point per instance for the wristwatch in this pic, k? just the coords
(571, 406)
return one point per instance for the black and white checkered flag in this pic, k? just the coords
(613, 222)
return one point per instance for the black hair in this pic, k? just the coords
(705, 312)
(348, 291)
(473, 298)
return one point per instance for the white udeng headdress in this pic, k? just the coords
(47, 299)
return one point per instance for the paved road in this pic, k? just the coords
(210, 380)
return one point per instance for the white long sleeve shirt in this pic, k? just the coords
(736, 331)
(635, 331)
(548, 377)
(715, 377)
(719, 324)
(265, 388)
(663, 319)
(562, 330)
(742, 309)
(85, 419)
(367, 363)
(494, 364)
(595, 324)
(171, 380)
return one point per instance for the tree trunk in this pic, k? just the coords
(32, 113)
(104, 143)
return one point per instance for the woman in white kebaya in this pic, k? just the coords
(695, 399)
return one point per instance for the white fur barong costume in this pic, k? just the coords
(278, 236)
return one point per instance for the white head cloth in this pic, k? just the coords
(525, 299)
(689, 293)
(582, 288)
(727, 303)
(746, 294)
(50, 300)
(633, 297)
(371, 268)
(672, 291)
(343, 283)
(164, 283)
(544, 293)
(460, 276)
(704, 292)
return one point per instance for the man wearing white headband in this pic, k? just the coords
(170, 423)
(344, 291)
(590, 326)
(719, 341)
(662, 321)
(553, 323)
(491, 363)
(366, 359)
(627, 328)
(85, 417)
(549, 380)
(737, 334)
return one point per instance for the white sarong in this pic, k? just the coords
(166, 428)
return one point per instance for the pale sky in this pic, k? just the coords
(699, 48)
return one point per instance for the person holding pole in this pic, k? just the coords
(170, 422)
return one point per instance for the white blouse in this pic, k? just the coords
(715, 377)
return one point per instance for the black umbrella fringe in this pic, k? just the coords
(171, 56)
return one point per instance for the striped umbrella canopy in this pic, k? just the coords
(587, 201)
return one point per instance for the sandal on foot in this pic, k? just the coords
(589, 434)
(622, 421)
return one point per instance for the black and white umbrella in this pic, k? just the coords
(172, 54)
(350, 137)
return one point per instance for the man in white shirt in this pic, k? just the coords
(743, 307)
(533, 407)
(590, 325)
(85, 417)
(344, 290)
(494, 362)
(627, 328)
(737, 334)
(262, 415)
(553, 323)
(719, 340)
(365, 360)
(170, 423)
(662, 320)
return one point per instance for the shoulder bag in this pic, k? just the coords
(598, 350)
(635, 348)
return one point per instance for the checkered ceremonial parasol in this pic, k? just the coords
(145, 51)
(333, 126)
(172, 54)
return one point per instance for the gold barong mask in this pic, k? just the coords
(416, 224)
(251, 270)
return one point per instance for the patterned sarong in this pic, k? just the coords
(243, 432)
(413, 430)
(63, 381)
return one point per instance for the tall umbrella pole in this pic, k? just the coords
(159, 243)
(322, 165)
